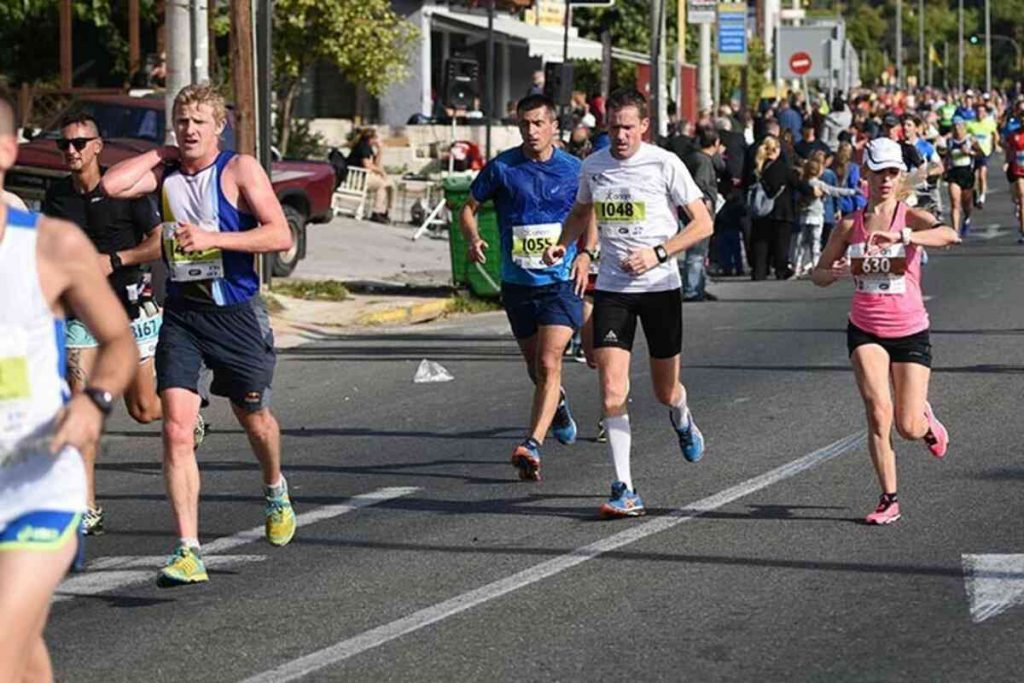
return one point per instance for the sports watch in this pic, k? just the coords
(661, 253)
(905, 234)
(115, 261)
(101, 398)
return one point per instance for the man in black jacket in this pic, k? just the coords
(701, 165)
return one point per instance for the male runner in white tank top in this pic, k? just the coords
(48, 268)
(219, 210)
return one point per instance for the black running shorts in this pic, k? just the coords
(914, 348)
(660, 313)
(235, 342)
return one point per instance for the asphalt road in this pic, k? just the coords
(423, 558)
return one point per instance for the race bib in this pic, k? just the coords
(530, 241)
(189, 267)
(881, 272)
(620, 211)
(1019, 159)
(961, 158)
(15, 388)
(146, 329)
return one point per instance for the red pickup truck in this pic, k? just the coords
(132, 125)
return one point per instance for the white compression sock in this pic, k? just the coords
(620, 441)
(680, 412)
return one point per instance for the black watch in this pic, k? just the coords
(115, 261)
(101, 398)
(660, 252)
(589, 252)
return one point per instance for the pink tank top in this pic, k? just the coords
(887, 302)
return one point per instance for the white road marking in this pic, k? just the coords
(368, 640)
(106, 574)
(994, 584)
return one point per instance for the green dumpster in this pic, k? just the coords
(483, 279)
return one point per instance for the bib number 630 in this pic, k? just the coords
(877, 264)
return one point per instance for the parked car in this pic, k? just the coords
(132, 125)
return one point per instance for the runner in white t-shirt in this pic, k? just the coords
(636, 191)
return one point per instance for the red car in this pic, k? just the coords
(132, 125)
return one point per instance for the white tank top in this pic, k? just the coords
(32, 386)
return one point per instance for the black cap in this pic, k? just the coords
(890, 121)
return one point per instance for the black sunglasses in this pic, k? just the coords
(64, 143)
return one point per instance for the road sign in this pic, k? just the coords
(701, 11)
(809, 48)
(800, 63)
(732, 34)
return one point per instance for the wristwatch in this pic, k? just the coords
(115, 261)
(589, 252)
(905, 234)
(661, 253)
(101, 398)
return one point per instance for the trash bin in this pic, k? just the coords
(483, 279)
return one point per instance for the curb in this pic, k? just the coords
(415, 313)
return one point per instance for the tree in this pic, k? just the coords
(31, 54)
(366, 40)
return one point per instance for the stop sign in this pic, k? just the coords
(800, 63)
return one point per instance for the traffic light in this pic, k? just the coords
(974, 39)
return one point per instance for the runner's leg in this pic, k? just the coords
(80, 362)
(1018, 191)
(140, 398)
(871, 368)
(955, 198)
(181, 472)
(28, 579)
(265, 438)
(910, 390)
(550, 341)
(613, 371)
(587, 334)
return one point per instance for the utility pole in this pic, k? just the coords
(988, 47)
(960, 43)
(489, 96)
(242, 77)
(179, 52)
(654, 106)
(899, 43)
(705, 66)
(199, 43)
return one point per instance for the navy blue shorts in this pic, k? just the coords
(528, 307)
(234, 342)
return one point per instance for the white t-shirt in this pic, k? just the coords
(635, 200)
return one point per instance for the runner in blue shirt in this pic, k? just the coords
(533, 186)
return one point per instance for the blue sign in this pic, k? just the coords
(732, 34)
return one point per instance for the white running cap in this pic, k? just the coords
(882, 153)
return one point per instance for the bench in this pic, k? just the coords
(350, 197)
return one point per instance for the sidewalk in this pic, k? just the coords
(393, 280)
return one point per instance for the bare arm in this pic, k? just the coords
(139, 175)
(929, 231)
(68, 264)
(580, 219)
(146, 251)
(475, 246)
(700, 227)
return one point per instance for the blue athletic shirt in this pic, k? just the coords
(529, 193)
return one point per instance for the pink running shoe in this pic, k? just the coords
(887, 512)
(937, 438)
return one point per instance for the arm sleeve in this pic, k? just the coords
(145, 216)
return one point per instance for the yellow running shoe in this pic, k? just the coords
(185, 566)
(280, 520)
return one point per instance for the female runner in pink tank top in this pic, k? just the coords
(887, 334)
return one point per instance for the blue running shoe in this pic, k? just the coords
(691, 441)
(965, 227)
(563, 426)
(623, 503)
(526, 459)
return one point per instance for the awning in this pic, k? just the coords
(540, 40)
